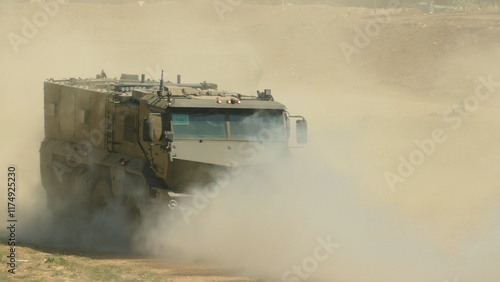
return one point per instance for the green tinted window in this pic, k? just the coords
(265, 125)
(199, 124)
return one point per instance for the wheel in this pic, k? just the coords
(56, 190)
(101, 195)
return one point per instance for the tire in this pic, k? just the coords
(101, 195)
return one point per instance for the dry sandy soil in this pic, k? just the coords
(373, 87)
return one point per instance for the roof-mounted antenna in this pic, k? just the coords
(160, 90)
(161, 81)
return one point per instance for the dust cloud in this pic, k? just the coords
(441, 223)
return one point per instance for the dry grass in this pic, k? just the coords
(52, 264)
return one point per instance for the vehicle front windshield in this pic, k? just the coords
(199, 124)
(262, 125)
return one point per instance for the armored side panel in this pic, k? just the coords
(75, 114)
(66, 107)
(98, 121)
(125, 127)
(82, 115)
(89, 153)
(51, 109)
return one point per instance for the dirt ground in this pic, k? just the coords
(401, 169)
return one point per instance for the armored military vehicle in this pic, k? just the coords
(135, 139)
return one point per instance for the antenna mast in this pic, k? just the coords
(161, 81)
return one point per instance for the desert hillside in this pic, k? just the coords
(401, 169)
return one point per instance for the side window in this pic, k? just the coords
(129, 128)
(84, 116)
(52, 109)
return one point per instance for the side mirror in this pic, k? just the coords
(169, 136)
(148, 130)
(301, 127)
